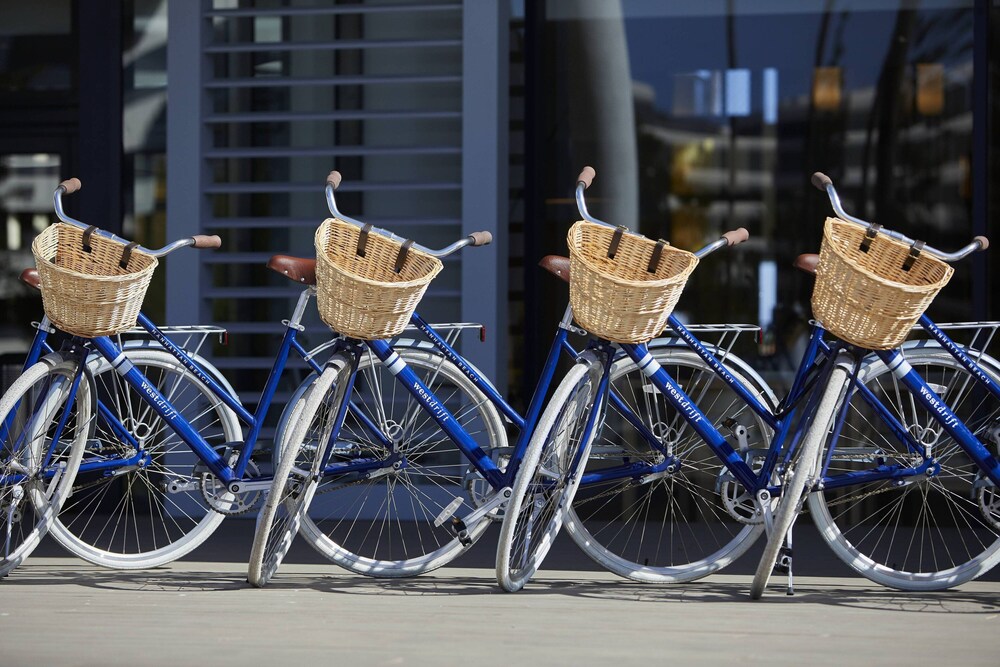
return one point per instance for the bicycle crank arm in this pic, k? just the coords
(460, 527)
(764, 507)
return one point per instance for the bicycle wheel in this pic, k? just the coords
(690, 519)
(297, 472)
(929, 532)
(145, 499)
(548, 478)
(799, 477)
(37, 472)
(382, 522)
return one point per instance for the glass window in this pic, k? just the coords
(700, 117)
(26, 185)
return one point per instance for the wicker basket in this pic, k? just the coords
(619, 299)
(868, 298)
(363, 297)
(88, 293)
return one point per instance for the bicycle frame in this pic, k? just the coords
(926, 397)
(230, 475)
(781, 420)
(427, 401)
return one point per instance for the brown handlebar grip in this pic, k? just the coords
(736, 236)
(586, 177)
(203, 241)
(333, 180)
(821, 180)
(984, 242)
(481, 238)
(71, 185)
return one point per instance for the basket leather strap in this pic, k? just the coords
(363, 239)
(914, 253)
(87, 233)
(654, 261)
(127, 254)
(870, 235)
(615, 240)
(404, 250)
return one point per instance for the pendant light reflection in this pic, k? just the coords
(827, 87)
(930, 89)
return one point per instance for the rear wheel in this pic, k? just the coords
(799, 478)
(143, 499)
(394, 519)
(681, 516)
(297, 472)
(927, 532)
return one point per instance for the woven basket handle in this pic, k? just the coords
(404, 250)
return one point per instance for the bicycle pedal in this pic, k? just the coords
(448, 512)
(459, 529)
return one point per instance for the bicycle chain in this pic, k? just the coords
(853, 498)
(613, 491)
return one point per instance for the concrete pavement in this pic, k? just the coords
(60, 611)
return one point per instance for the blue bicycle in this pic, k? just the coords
(156, 431)
(419, 488)
(687, 488)
(905, 489)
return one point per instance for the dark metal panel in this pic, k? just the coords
(485, 30)
(360, 114)
(184, 163)
(291, 82)
(341, 10)
(100, 137)
(338, 45)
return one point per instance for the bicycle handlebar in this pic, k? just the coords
(824, 183)
(475, 239)
(71, 185)
(586, 179)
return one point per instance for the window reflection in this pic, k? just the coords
(26, 185)
(728, 107)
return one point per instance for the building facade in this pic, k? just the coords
(451, 116)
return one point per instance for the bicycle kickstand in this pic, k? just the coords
(784, 563)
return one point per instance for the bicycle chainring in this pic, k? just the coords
(737, 501)
(221, 500)
(479, 490)
(989, 504)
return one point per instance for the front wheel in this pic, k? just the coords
(297, 472)
(549, 475)
(799, 479)
(43, 431)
